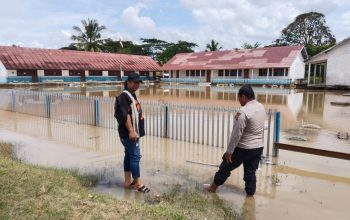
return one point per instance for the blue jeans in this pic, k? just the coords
(132, 157)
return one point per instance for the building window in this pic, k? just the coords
(262, 72)
(187, 73)
(76, 72)
(95, 72)
(52, 73)
(227, 72)
(203, 72)
(193, 73)
(221, 73)
(198, 73)
(278, 72)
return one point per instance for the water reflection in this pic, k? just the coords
(296, 106)
(248, 209)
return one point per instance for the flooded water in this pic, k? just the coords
(297, 107)
(285, 187)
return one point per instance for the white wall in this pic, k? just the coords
(65, 72)
(297, 69)
(104, 73)
(40, 73)
(338, 65)
(12, 72)
(3, 73)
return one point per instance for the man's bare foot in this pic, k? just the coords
(211, 187)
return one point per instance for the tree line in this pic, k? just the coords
(308, 29)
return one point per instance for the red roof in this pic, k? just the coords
(33, 58)
(235, 59)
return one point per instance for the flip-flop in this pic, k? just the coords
(143, 189)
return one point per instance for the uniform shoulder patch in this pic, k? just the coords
(237, 115)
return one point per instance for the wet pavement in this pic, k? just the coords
(294, 186)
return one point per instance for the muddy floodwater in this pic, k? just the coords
(292, 186)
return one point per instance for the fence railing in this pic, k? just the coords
(209, 125)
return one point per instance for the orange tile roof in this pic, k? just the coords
(34, 58)
(235, 59)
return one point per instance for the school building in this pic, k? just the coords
(259, 66)
(33, 65)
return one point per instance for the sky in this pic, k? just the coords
(48, 23)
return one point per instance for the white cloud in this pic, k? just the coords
(66, 34)
(230, 22)
(346, 21)
(131, 16)
(37, 44)
(234, 22)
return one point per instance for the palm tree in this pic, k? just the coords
(89, 39)
(213, 46)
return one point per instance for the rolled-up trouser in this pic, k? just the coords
(132, 157)
(250, 159)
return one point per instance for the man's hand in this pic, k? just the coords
(133, 136)
(228, 157)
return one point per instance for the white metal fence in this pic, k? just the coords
(208, 125)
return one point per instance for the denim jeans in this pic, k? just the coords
(132, 157)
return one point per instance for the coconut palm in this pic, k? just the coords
(213, 46)
(89, 39)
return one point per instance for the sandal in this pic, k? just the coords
(143, 189)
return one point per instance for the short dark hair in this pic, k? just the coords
(247, 91)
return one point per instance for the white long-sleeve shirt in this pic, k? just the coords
(248, 127)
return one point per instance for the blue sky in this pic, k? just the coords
(48, 23)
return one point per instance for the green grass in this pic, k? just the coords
(33, 192)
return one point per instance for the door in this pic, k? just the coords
(246, 73)
(208, 75)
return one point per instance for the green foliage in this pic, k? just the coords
(89, 37)
(309, 30)
(70, 47)
(172, 49)
(154, 47)
(250, 46)
(129, 47)
(213, 46)
(313, 50)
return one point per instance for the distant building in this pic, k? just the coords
(271, 65)
(19, 64)
(330, 68)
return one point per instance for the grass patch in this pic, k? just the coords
(33, 192)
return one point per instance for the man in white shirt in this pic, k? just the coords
(246, 142)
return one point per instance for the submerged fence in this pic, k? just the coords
(209, 125)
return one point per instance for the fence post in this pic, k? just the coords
(268, 132)
(97, 112)
(166, 122)
(277, 128)
(48, 106)
(13, 101)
